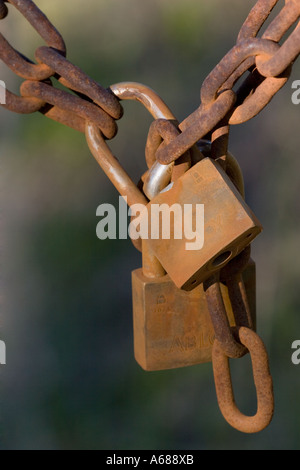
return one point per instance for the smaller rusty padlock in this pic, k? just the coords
(172, 327)
(229, 225)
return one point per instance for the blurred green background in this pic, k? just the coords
(71, 381)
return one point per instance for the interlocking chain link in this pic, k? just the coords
(262, 380)
(269, 65)
(93, 103)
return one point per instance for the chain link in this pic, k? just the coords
(269, 65)
(262, 380)
(93, 103)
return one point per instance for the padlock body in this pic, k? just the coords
(172, 327)
(229, 225)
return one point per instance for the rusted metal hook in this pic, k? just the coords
(262, 379)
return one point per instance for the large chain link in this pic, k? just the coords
(91, 102)
(269, 65)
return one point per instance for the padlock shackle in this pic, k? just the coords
(231, 165)
(114, 170)
(125, 186)
(158, 179)
(159, 176)
(102, 153)
(112, 167)
(144, 95)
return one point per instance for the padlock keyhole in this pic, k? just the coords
(221, 259)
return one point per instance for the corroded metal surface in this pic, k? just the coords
(262, 379)
(268, 62)
(173, 328)
(94, 104)
(230, 226)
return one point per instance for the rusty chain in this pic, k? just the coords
(263, 63)
(268, 62)
(262, 379)
(269, 65)
(235, 342)
(91, 102)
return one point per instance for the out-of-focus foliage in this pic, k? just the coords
(71, 381)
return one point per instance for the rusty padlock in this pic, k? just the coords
(229, 225)
(172, 327)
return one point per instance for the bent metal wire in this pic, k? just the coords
(265, 65)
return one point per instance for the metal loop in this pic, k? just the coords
(283, 21)
(231, 275)
(262, 379)
(126, 188)
(160, 130)
(75, 79)
(159, 175)
(256, 19)
(260, 92)
(286, 55)
(144, 95)
(224, 333)
(232, 60)
(161, 133)
(21, 105)
(260, 98)
(197, 126)
(16, 61)
(70, 103)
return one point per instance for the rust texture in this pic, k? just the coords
(70, 103)
(267, 63)
(231, 276)
(268, 67)
(94, 103)
(173, 328)
(262, 379)
(74, 78)
(208, 184)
